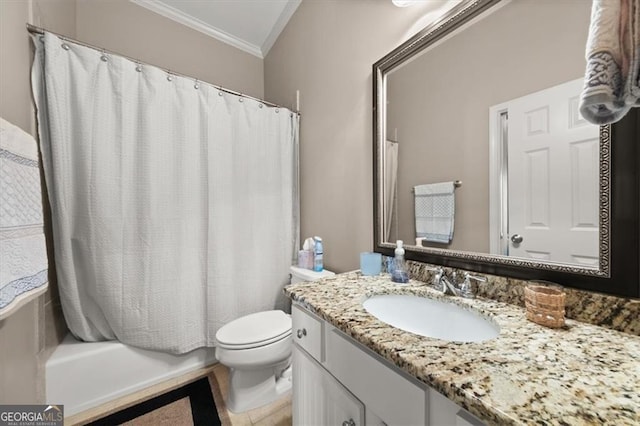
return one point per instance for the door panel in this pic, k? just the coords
(553, 157)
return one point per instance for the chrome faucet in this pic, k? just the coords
(443, 284)
(447, 286)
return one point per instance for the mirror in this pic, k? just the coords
(482, 160)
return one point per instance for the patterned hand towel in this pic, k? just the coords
(612, 78)
(23, 254)
(434, 211)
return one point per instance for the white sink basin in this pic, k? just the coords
(431, 318)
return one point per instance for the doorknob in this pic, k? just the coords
(516, 238)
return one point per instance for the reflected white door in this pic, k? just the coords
(553, 157)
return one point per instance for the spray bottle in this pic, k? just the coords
(318, 253)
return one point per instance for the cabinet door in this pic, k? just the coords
(393, 398)
(318, 399)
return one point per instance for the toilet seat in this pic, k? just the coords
(254, 330)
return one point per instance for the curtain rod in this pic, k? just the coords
(40, 31)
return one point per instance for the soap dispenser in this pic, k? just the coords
(399, 273)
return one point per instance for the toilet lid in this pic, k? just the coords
(254, 330)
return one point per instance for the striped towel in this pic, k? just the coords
(434, 211)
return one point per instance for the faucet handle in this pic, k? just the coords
(465, 289)
(475, 277)
(438, 276)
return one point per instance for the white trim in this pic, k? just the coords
(495, 171)
(198, 25)
(281, 22)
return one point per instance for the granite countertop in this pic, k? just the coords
(576, 375)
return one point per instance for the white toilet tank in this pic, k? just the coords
(300, 275)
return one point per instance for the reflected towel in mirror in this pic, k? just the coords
(434, 211)
(612, 78)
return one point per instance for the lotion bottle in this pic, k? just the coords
(399, 273)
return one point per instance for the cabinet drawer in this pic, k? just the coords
(307, 332)
(392, 397)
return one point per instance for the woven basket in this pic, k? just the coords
(544, 305)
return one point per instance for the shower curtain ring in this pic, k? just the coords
(104, 57)
(139, 67)
(196, 85)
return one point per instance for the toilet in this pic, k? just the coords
(257, 350)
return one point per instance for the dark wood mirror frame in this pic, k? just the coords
(619, 190)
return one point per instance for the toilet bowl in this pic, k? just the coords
(257, 349)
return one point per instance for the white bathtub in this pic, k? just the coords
(84, 375)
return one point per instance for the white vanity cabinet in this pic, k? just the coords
(336, 381)
(318, 398)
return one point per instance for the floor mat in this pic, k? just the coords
(191, 404)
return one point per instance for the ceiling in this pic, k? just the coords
(249, 25)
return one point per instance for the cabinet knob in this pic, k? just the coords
(301, 333)
(349, 422)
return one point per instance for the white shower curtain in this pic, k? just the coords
(173, 202)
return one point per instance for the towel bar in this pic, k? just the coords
(456, 184)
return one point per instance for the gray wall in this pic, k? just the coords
(327, 51)
(440, 102)
(28, 337)
(131, 30)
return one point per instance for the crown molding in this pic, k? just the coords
(196, 24)
(282, 21)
